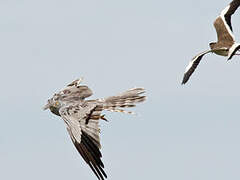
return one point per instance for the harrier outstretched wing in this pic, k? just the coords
(83, 128)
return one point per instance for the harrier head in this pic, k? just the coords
(70, 94)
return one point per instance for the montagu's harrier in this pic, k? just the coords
(82, 118)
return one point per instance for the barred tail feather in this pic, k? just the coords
(120, 110)
(126, 99)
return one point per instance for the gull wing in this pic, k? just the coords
(223, 24)
(229, 11)
(192, 66)
(224, 34)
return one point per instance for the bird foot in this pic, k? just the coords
(103, 117)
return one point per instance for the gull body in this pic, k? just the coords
(225, 46)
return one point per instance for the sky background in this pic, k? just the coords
(181, 132)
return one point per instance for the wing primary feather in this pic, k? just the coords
(93, 163)
(85, 157)
(193, 65)
(92, 142)
(95, 154)
(229, 11)
(93, 149)
(88, 156)
(90, 160)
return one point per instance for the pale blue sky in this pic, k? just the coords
(181, 132)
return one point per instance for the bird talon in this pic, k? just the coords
(103, 117)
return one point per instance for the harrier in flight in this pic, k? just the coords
(82, 118)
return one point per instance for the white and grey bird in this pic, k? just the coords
(225, 46)
(82, 118)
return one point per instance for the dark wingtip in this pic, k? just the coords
(91, 154)
(184, 81)
(233, 53)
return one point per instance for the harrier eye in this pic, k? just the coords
(56, 103)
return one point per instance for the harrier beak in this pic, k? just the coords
(46, 106)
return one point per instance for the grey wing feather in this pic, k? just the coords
(83, 128)
(75, 92)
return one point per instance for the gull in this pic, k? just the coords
(225, 46)
(82, 118)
